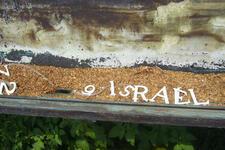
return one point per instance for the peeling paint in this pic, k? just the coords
(177, 33)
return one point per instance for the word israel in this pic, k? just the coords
(140, 91)
(8, 87)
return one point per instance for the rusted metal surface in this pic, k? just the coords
(123, 112)
(174, 33)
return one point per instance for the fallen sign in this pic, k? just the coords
(140, 61)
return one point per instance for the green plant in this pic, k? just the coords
(35, 133)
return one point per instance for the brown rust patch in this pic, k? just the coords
(152, 38)
(89, 23)
(114, 19)
(164, 2)
(42, 16)
(44, 22)
(31, 35)
(96, 4)
(197, 15)
(108, 19)
(25, 15)
(203, 33)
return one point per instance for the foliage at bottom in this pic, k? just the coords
(35, 133)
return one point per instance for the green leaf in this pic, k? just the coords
(160, 148)
(144, 145)
(130, 134)
(99, 132)
(38, 145)
(18, 146)
(100, 144)
(75, 131)
(90, 133)
(57, 139)
(187, 137)
(183, 147)
(159, 136)
(82, 144)
(37, 131)
(62, 132)
(117, 131)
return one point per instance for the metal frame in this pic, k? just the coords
(123, 112)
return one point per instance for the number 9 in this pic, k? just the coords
(89, 90)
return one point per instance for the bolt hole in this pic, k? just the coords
(63, 91)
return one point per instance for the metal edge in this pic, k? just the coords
(95, 101)
(179, 116)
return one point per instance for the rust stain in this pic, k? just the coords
(203, 33)
(152, 38)
(107, 19)
(44, 22)
(32, 36)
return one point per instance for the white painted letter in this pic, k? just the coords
(142, 93)
(177, 98)
(5, 72)
(112, 88)
(89, 90)
(195, 100)
(164, 95)
(8, 91)
(127, 92)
